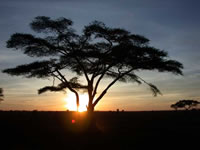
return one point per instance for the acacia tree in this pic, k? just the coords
(98, 52)
(1, 94)
(187, 104)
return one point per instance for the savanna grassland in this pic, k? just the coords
(37, 130)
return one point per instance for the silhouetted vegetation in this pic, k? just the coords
(98, 52)
(186, 104)
(1, 94)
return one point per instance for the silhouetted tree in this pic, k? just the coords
(98, 52)
(1, 94)
(187, 104)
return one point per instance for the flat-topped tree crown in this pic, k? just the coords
(99, 52)
(187, 104)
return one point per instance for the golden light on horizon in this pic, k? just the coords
(70, 100)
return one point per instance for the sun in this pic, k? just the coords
(70, 100)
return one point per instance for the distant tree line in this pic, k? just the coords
(185, 104)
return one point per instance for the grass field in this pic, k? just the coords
(125, 130)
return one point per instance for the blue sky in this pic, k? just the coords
(172, 25)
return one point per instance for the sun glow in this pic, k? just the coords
(70, 100)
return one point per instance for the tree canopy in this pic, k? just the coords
(98, 52)
(186, 104)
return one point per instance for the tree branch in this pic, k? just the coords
(99, 79)
(84, 71)
(70, 88)
(106, 89)
(65, 81)
(54, 75)
(153, 88)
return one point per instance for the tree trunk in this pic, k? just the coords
(90, 109)
(90, 113)
(77, 101)
(91, 120)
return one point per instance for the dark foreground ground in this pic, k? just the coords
(126, 130)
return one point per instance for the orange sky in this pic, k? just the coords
(22, 95)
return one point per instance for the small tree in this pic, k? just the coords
(1, 94)
(187, 104)
(99, 52)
